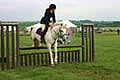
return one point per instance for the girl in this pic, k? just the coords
(46, 20)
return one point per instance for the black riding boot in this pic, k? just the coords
(43, 33)
(42, 36)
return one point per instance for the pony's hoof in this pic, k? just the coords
(33, 46)
(56, 62)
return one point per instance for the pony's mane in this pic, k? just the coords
(60, 24)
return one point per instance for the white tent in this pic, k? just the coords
(69, 24)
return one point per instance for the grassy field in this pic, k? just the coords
(105, 67)
(110, 27)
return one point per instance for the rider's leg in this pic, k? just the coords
(44, 32)
(43, 27)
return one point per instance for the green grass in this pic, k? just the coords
(105, 67)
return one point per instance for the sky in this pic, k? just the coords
(33, 10)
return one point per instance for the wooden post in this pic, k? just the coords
(69, 57)
(21, 60)
(34, 60)
(62, 57)
(65, 57)
(46, 59)
(2, 48)
(93, 49)
(26, 63)
(42, 58)
(38, 59)
(73, 56)
(83, 43)
(78, 55)
(13, 48)
(7, 46)
(86, 43)
(90, 43)
(30, 63)
(58, 54)
(17, 45)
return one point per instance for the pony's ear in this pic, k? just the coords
(64, 25)
(61, 24)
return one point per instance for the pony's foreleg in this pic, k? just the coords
(51, 55)
(55, 47)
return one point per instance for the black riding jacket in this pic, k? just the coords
(47, 17)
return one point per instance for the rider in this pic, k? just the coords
(46, 20)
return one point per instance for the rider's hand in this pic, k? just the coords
(51, 24)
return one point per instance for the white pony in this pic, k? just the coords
(50, 38)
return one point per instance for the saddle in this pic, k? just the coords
(42, 34)
(39, 31)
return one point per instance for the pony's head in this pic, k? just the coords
(63, 33)
(61, 30)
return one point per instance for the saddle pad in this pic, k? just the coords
(39, 31)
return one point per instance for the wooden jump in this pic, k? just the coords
(44, 47)
(16, 59)
(43, 58)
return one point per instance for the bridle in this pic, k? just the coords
(59, 33)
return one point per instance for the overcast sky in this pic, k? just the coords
(33, 10)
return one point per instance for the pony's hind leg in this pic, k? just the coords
(33, 43)
(37, 43)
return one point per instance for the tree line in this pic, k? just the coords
(98, 23)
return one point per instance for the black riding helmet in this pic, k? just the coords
(52, 6)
